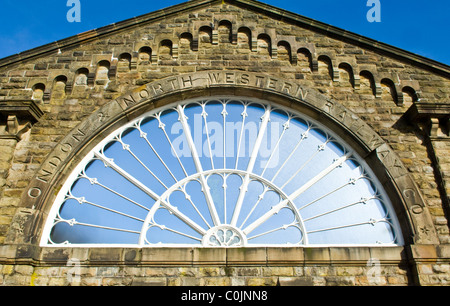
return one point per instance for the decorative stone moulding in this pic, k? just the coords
(17, 117)
(431, 118)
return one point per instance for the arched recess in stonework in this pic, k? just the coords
(409, 96)
(81, 77)
(386, 166)
(304, 60)
(144, 57)
(165, 49)
(225, 31)
(346, 75)
(102, 72)
(265, 45)
(205, 35)
(59, 87)
(284, 51)
(38, 92)
(244, 38)
(388, 92)
(367, 83)
(124, 64)
(186, 41)
(325, 67)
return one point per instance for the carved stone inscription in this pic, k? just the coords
(117, 110)
(391, 161)
(424, 231)
(196, 81)
(64, 150)
(52, 165)
(211, 79)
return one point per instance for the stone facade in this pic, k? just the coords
(392, 106)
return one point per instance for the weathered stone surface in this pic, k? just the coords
(57, 105)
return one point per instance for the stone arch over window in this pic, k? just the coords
(124, 112)
(256, 189)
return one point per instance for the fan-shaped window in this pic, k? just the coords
(222, 172)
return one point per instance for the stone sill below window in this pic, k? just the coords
(187, 256)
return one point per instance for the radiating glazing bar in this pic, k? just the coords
(204, 115)
(150, 193)
(162, 126)
(127, 148)
(96, 182)
(350, 182)
(284, 227)
(188, 197)
(224, 114)
(260, 198)
(362, 201)
(144, 136)
(275, 209)
(371, 221)
(163, 227)
(303, 137)
(319, 149)
(198, 166)
(285, 127)
(244, 115)
(73, 222)
(83, 200)
(251, 164)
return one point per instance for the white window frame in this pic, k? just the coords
(247, 175)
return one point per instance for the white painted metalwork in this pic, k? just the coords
(222, 172)
(224, 235)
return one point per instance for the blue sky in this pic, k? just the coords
(417, 26)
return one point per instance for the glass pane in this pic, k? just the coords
(222, 172)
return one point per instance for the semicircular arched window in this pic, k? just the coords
(222, 172)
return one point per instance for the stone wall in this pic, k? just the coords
(47, 92)
(213, 267)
